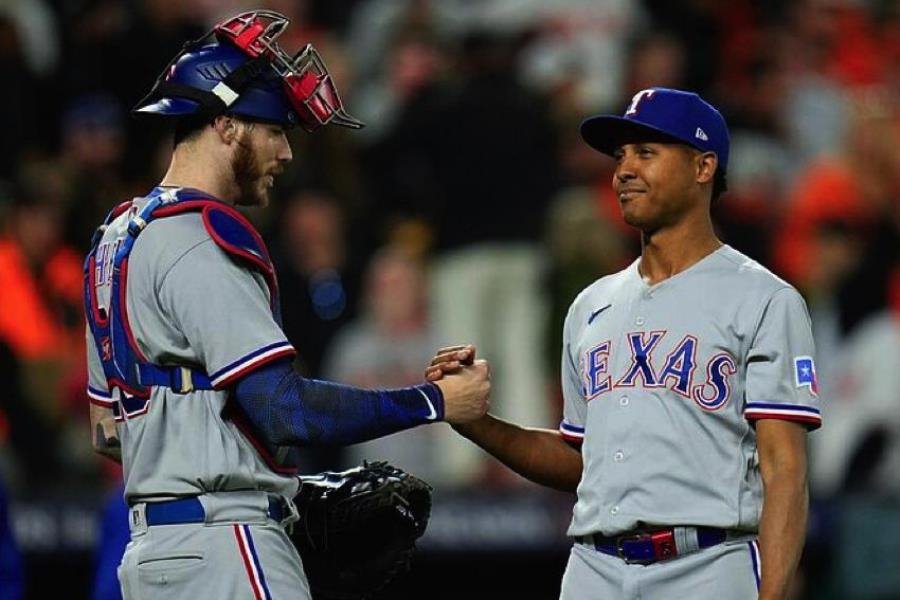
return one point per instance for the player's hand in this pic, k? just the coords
(449, 360)
(466, 392)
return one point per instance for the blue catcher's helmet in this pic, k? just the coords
(238, 68)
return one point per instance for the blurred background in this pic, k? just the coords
(468, 210)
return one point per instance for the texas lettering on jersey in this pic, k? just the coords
(676, 371)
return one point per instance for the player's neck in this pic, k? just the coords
(188, 169)
(670, 251)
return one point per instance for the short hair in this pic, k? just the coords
(188, 128)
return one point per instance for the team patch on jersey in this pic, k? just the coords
(805, 374)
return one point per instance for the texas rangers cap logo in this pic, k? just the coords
(662, 114)
(805, 374)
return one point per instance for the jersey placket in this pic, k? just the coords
(623, 408)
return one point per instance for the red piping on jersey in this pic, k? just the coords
(289, 351)
(240, 421)
(756, 416)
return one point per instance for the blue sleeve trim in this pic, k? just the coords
(568, 427)
(778, 406)
(808, 415)
(571, 433)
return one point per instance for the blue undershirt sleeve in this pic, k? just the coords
(291, 410)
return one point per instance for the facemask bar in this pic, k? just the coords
(313, 87)
(249, 31)
(308, 84)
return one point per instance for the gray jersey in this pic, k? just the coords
(661, 384)
(188, 303)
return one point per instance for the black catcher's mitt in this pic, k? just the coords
(358, 528)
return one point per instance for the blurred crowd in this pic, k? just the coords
(468, 210)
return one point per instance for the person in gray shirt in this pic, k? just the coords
(190, 377)
(688, 382)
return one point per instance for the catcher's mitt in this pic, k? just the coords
(358, 528)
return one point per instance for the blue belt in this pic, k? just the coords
(190, 510)
(649, 547)
(179, 379)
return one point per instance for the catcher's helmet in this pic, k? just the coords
(238, 68)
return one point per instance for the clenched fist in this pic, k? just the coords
(449, 360)
(464, 381)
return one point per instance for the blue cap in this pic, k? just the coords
(673, 115)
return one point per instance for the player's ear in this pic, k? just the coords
(226, 127)
(706, 167)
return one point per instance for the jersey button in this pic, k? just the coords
(639, 321)
(619, 456)
(614, 510)
(623, 401)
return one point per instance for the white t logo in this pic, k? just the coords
(633, 108)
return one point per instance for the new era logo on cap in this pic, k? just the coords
(674, 115)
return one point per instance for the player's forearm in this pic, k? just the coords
(785, 510)
(288, 409)
(104, 437)
(781, 537)
(540, 455)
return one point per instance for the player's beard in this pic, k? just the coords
(248, 175)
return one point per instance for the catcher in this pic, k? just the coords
(190, 378)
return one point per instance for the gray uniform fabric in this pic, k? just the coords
(238, 553)
(190, 303)
(661, 384)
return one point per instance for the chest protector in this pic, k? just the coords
(124, 365)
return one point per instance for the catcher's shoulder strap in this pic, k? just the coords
(124, 364)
